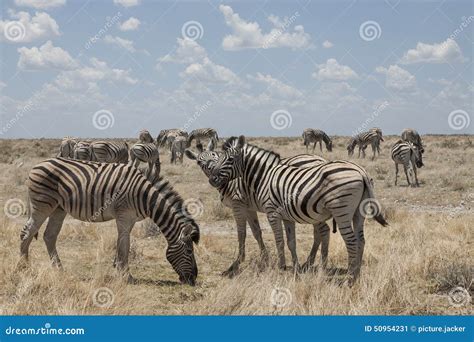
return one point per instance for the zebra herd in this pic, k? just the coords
(99, 181)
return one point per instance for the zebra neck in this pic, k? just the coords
(256, 165)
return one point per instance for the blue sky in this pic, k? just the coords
(246, 67)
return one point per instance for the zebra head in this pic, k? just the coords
(181, 254)
(351, 146)
(229, 166)
(206, 160)
(417, 151)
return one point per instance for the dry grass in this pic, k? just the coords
(408, 268)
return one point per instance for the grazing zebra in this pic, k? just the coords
(409, 155)
(145, 153)
(336, 189)
(203, 133)
(177, 149)
(145, 137)
(412, 136)
(234, 195)
(362, 140)
(162, 138)
(99, 192)
(109, 151)
(66, 149)
(82, 151)
(314, 136)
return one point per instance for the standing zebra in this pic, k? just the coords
(145, 136)
(99, 192)
(235, 196)
(66, 149)
(314, 136)
(362, 140)
(109, 151)
(203, 133)
(177, 149)
(336, 189)
(162, 138)
(409, 155)
(145, 153)
(410, 135)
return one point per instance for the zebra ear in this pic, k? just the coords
(241, 142)
(211, 146)
(190, 154)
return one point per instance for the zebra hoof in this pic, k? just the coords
(231, 272)
(306, 267)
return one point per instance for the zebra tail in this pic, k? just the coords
(378, 216)
(334, 226)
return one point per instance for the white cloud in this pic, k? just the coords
(276, 87)
(40, 4)
(46, 56)
(248, 35)
(332, 70)
(188, 51)
(209, 72)
(444, 52)
(23, 28)
(120, 42)
(327, 44)
(130, 24)
(127, 3)
(397, 78)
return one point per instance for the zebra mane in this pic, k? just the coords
(233, 141)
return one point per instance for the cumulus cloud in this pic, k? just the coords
(249, 35)
(130, 24)
(120, 42)
(209, 72)
(332, 70)
(444, 52)
(276, 87)
(46, 56)
(327, 44)
(40, 4)
(127, 3)
(23, 28)
(188, 51)
(397, 78)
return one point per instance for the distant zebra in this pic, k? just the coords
(177, 149)
(99, 192)
(362, 140)
(379, 132)
(234, 195)
(289, 194)
(145, 137)
(145, 153)
(410, 135)
(203, 133)
(82, 151)
(66, 149)
(410, 157)
(314, 136)
(109, 151)
(162, 138)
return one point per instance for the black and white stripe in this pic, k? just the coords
(163, 137)
(99, 192)
(145, 137)
(291, 194)
(314, 136)
(410, 157)
(411, 135)
(364, 139)
(145, 153)
(203, 133)
(66, 148)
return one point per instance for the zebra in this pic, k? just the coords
(362, 140)
(409, 155)
(314, 136)
(145, 137)
(337, 189)
(82, 151)
(203, 133)
(109, 151)
(146, 153)
(177, 149)
(234, 196)
(99, 192)
(162, 138)
(66, 149)
(410, 135)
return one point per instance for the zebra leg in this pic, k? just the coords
(314, 146)
(351, 242)
(358, 223)
(321, 234)
(124, 227)
(51, 233)
(314, 250)
(321, 146)
(31, 228)
(275, 223)
(416, 176)
(252, 219)
(406, 168)
(241, 221)
(291, 242)
(149, 170)
(373, 151)
(396, 173)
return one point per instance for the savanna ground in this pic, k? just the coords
(409, 267)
